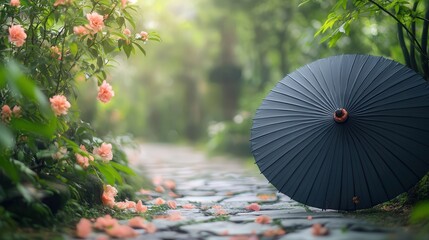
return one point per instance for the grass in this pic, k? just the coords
(396, 214)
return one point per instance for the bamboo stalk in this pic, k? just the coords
(403, 45)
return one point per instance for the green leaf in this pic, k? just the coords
(420, 212)
(141, 48)
(110, 174)
(10, 170)
(344, 4)
(120, 21)
(74, 48)
(304, 2)
(128, 48)
(24, 192)
(46, 130)
(335, 38)
(100, 62)
(123, 168)
(24, 87)
(6, 137)
(108, 46)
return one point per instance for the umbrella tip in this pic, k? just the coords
(341, 115)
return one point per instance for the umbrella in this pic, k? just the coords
(345, 132)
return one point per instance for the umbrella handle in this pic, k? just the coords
(341, 115)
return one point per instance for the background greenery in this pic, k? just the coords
(201, 85)
(219, 59)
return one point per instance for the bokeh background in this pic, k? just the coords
(217, 60)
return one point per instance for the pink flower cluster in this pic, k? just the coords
(17, 35)
(95, 25)
(80, 30)
(104, 151)
(55, 52)
(62, 2)
(109, 194)
(7, 113)
(105, 92)
(14, 3)
(112, 227)
(96, 21)
(108, 199)
(83, 161)
(124, 3)
(59, 104)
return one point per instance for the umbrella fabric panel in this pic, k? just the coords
(379, 152)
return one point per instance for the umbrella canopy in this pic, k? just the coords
(345, 132)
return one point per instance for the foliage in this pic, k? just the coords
(228, 136)
(408, 16)
(46, 48)
(420, 214)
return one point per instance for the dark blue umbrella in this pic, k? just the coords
(345, 132)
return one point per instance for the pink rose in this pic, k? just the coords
(140, 207)
(220, 212)
(121, 231)
(82, 160)
(124, 3)
(121, 205)
(80, 30)
(104, 151)
(16, 111)
(174, 216)
(170, 184)
(6, 113)
(137, 222)
(159, 201)
(62, 2)
(319, 230)
(17, 35)
(253, 207)
(95, 21)
(59, 104)
(144, 35)
(105, 92)
(14, 3)
(83, 228)
(172, 204)
(263, 219)
(61, 153)
(188, 206)
(56, 53)
(105, 222)
(109, 194)
(130, 204)
(150, 228)
(127, 32)
(159, 189)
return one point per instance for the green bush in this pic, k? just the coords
(48, 155)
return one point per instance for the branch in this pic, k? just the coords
(61, 60)
(413, 38)
(412, 44)
(403, 45)
(423, 57)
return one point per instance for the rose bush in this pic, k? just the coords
(45, 148)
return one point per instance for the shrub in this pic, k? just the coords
(47, 153)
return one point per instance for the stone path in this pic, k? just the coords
(222, 189)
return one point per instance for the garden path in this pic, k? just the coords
(232, 185)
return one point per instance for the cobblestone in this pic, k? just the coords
(231, 185)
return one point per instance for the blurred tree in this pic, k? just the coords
(218, 60)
